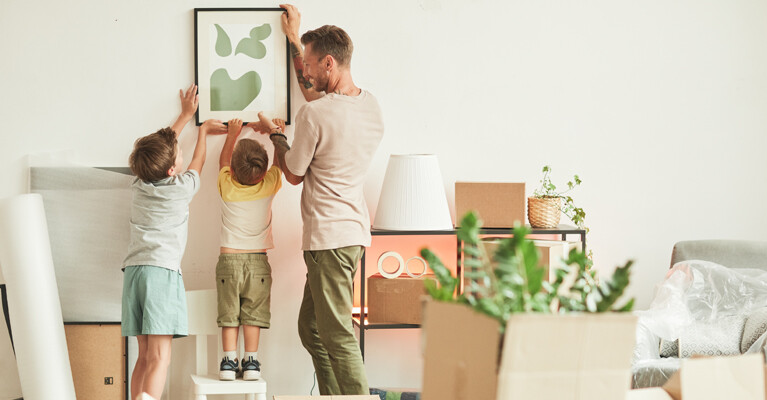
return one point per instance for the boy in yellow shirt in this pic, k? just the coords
(243, 273)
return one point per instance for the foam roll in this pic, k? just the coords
(33, 300)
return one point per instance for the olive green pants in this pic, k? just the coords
(325, 321)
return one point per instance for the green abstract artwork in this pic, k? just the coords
(227, 94)
(223, 43)
(252, 46)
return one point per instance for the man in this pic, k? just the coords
(336, 136)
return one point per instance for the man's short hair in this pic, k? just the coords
(153, 155)
(249, 162)
(330, 39)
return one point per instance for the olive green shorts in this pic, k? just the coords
(244, 284)
(154, 302)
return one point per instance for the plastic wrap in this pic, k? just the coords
(705, 308)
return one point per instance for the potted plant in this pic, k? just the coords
(559, 315)
(546, 204)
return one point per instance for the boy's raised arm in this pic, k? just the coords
(234, 129)
(209, 127)
(189, 102)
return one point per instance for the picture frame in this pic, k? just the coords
(242, 64)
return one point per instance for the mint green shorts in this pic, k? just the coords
(154, 302)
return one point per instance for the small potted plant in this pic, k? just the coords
(547, 204)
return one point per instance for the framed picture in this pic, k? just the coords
(241, 64)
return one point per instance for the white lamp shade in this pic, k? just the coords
(413, 196)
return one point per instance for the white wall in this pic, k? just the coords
(658, 105)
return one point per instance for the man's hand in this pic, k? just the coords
(291, 21)
(280, 124)
(189, 101)
(235, 127)
(213, 127)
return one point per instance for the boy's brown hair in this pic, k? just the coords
(153, 155)
(249, 162)
(330, 39)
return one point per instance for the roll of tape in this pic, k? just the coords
(407, 267)
(398, 272)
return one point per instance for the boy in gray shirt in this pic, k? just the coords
(154, 301)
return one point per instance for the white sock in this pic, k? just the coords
(253, 354)
(232, 355)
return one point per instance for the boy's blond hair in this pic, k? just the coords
(249, 162)
(153, 155)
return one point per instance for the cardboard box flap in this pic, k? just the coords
(575, 356)
(461, 353)
(712, 378)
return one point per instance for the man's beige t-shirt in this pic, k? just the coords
(336, 137)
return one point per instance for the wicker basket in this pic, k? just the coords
(544, 212)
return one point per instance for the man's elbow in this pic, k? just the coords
(293, 179)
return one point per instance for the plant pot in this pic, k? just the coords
(544, 212)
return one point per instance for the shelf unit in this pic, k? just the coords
(360, 319)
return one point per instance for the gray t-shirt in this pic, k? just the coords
(159, 217)
(336, 137)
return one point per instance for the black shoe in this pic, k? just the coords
(228, 370)
(251, 369)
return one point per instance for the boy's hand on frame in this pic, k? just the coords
(213, 127)
(189, 101)
(234, 127)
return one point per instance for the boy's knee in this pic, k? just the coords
(157, 358)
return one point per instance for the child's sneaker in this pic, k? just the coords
(251, 369)
(229, 369)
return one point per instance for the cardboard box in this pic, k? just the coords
(553, 252)
(338, 397)
(709, 378)
(461, 348)
(395, 300)
(499, 205)
(572, 356)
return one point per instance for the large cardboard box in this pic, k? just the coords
(572, 356)
(499, 205)
(395, 300)
(461, 348)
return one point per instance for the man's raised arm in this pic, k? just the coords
(291, 20)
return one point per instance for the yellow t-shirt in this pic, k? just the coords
(246, 210)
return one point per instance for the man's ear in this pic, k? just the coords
(329, 62)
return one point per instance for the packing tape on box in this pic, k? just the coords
(33, 300)
(400, 267)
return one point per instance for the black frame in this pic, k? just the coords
(287, 55)
(359, 321)
(4, 298)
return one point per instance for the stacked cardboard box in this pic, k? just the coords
(499, 205)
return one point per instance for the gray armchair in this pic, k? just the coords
(729, 253)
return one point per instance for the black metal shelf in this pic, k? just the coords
(562, 230)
